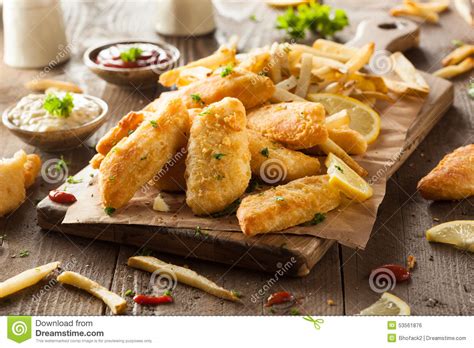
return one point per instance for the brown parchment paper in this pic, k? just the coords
(350, 224)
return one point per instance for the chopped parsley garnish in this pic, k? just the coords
(218, 156)
(253, 18)
(131, 55)
(112, 178)
(143, 158)
(197, 99)
(205, 112)
(321, 20)
(59, 107)
(129, 293)
(339, 168)
(130, 132)
(61, 164)
(71, 180)
(167, 293)
(109, 210)
(236, 293)
(317, 219)
(153, 123)
(470, 90)
(457, 43)
(279, 198)
(229, 69)
(265, 152)
(24, 253)
(294, 311)
(220, 177)
(199, 232)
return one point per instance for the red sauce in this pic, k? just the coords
(152, 300)
(150, 55)
(61, 197)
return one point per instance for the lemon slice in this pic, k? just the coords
(388, 304)
(459, 233)
(347, 180)
(364, 119)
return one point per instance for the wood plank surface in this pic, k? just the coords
(441, 285)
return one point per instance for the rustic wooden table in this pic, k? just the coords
(442, 282)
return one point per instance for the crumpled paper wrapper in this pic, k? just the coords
(351, 224)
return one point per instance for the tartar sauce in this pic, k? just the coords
(29, 113)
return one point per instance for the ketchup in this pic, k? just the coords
(152, 300)
(279, 298)
(61, 197)
(149, 55)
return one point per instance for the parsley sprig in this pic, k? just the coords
(59, 107)
(321, 20)
(131, 55)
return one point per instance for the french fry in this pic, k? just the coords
(331, 147)
(288, 84)
(403, 88)
(415, 12)
(361, 58)
(43, 85)
(451, 71)
(458, 55)
(183, 275)
(304, 79)
(322, 58)
(26, 279)
(435, 6)
(222, 56)
(407, 72)
(275, 63)
(116, 303)
(334, 50)
(338, 120)
(363, 79)
(282, 95)
(465, 10)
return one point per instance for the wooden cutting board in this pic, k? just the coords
(266, 252)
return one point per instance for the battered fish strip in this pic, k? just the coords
(32, 167)
(287, 205)
(452, 178)
(274, 163)
(135, 159)
(218, 160)
(297, 125)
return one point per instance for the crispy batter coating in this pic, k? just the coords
(297, 125)
(349, 140)
(452, 178)
(96, 160)
(32, 168)
(12, 182)
(274, 163)
(251, 89)
(287, 205)
(218, 160)
(135, 159)
(126, 125)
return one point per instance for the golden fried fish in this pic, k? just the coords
(12, 182)
(218, 160)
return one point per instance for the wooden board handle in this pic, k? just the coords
(388, 33)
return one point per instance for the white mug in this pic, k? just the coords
(34, 33)
(185, 17)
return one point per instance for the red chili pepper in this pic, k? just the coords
(278, 298)
(401, 273)
(152, 300)
(61, 197)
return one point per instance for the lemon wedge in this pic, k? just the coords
(459, 233)
(388, 304)
(364, 119)
(347, 180)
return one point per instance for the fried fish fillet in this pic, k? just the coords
(251, 89)
(274, 163)
(32, 167)
(218, 160)
(452, 178)
(12, 182)
(297, 125)
(287, 205)
(135, 159)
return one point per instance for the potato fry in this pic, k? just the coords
(363, 79)
(349, 140)
(43, 85)
(26, 279)
(403, 88)
(183, 275)
(465, 10)
(338, 120)
(361, 58)
(116, 303)
(458, 55)
(319, 60)
(412, 11)
(435, 6)
(282, 95)
(288, 84)
(305, 75)
(222, 56)
(330, 146)
(275, 63)
(334, 50)
(407, 72)
(32, 168)
(454, 70)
